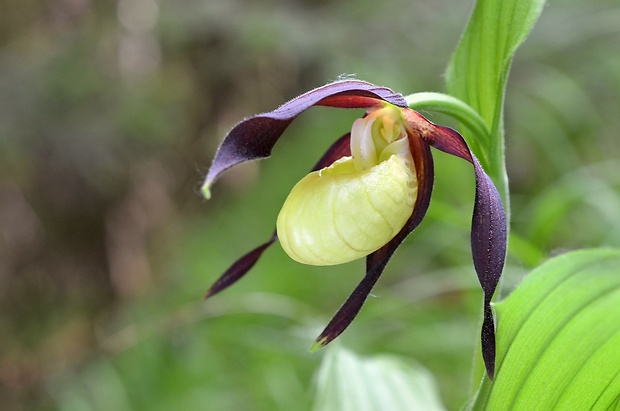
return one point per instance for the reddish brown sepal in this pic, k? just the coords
(254, 138)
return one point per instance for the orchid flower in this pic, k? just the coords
(365, 195)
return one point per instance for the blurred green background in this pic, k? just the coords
(110, 113)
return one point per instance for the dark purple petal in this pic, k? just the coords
(349, 309)
(488, 231)
(487, 337)
(488, 234)
(376, 262)
(488, 244)
(255, 137)
(239, 268)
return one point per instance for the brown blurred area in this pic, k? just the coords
(103, 111)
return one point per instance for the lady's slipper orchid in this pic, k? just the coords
(365, 195)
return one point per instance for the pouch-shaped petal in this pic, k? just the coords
(376, 262)
(336, 215)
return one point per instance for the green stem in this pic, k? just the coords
(498, 172)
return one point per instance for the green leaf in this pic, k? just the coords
(558, 339)
(347, 382)
(478, 70)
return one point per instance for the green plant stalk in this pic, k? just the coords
(497, 153)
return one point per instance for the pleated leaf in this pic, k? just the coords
(558, 339)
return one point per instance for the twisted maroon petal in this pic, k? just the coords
(376, 262)
(239, 268)
(488, 230)
(255, 137)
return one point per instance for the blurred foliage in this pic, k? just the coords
(347, 382)
(109, 115)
